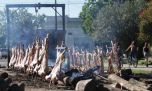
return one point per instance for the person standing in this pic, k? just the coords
(133, 50)
(119, 54)
(146, 52)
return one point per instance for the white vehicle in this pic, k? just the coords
(3, 53)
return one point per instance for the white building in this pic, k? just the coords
(74, 37)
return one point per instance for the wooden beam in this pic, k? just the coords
(34, 5)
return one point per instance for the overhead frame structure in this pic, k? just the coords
(8, 6)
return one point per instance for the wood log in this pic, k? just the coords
(66, 81)
(85, 85)
(126, 74)
(111, 88)
(90, 85)
(141, 84)
(21, 86)
(126, 84)
(64, 87)
(4, 75)
(3, 85)
(8, 81)
(59, 82)
(14, 87)
(75, 80)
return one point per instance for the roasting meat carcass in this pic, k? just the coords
(44, 64)
(12, 57)
(53, 76)
(30, 58)
(36, 55)
(42, 60)
(22, 54)
(17, 58)
(24, 59)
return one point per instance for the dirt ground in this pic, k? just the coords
(31, 83)
(38, 84)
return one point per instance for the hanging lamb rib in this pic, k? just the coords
(30, 58)
(44, 64)
(40, 58)
(53, 76)
(36, 55)
(13, 52)
(17, 57)
(22, 54)
(24, 59)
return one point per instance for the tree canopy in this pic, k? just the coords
(145, 24)
(89, 13)
(22, 25)
(2, 29)
(114, 20)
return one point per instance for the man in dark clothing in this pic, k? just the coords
(146, 52)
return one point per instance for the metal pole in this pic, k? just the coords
(55, 16)
(7, 34)
(63, 17)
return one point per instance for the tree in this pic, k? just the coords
(145, 24)
(118, 20)
(2, 29)
(23, 25)
(89, 12)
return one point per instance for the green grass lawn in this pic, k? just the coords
(143, 62)
(137, 71)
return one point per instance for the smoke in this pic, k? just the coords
(24, 27)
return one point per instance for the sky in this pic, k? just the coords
(72, 7)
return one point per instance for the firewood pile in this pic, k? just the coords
(125, 81)
(74, 69)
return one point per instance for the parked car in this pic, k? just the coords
(3, 53)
